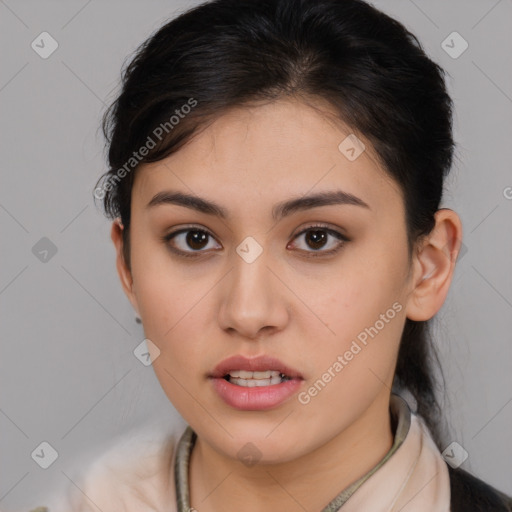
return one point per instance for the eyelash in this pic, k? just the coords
(310, 254)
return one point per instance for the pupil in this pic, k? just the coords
(196, 237)
(317, 237)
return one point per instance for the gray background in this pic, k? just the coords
(67, 369)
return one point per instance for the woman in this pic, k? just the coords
(276, 171)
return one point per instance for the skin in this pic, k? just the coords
(304, 311)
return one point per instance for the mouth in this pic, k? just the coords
(263, 370)
(257, 383)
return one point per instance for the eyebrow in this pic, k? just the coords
(279, 211)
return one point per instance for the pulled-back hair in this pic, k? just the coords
(369, 69)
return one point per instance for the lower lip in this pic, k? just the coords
(256, 398)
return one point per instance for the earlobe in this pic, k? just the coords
(125, 275)
(434, 265)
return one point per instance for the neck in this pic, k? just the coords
(219, 483)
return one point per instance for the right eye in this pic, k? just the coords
(181, 240)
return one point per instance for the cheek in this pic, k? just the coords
(174, 311)
(362, 291)
(359, 365)
(363, 306)
(366, 332)
(176, 321)
(163, 294)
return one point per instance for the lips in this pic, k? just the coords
(255, 364)
(266, 395)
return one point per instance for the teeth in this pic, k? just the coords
(254, 383)
(256, 379)
(243, 374)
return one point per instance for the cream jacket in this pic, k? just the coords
(138, 475)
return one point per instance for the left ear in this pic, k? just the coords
(433, 266)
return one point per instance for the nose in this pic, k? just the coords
(253, 300)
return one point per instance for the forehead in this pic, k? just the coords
(263, 153)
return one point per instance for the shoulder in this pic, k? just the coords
(134, 474)
(470, 494)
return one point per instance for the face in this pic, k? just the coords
(320, 286)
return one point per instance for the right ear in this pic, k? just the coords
(125, 275)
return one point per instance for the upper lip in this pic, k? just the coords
(254, 364)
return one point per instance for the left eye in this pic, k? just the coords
(317, 239)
